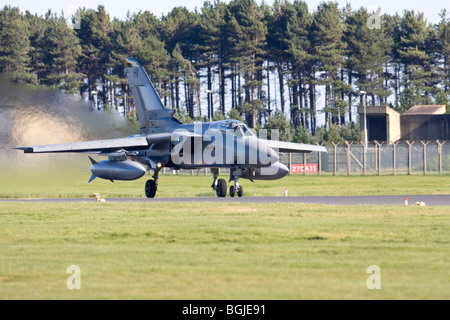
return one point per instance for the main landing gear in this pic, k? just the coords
(152, 185)
(220, 185)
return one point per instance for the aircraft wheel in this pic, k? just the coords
(240, 192)
(221, 190)
(232, 191)
(150, 188)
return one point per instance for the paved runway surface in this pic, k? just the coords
(436, 200)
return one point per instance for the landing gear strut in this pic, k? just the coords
(220, 185)
(151, 186)
(221, 189)
(237, 188)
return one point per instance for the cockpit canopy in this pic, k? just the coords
(234, 127)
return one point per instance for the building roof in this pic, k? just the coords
(426, 110)
(377, 110)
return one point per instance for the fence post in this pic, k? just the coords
(290, 163)
(378, 156)
(440, 154)
(394, 165)
(425, 157)
(409, 155)
(320, 160)
(348, 156)
(364, 157)
(335, 158)
(320, 163)
(304, 164)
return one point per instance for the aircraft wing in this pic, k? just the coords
(132, 143)
(282, 146)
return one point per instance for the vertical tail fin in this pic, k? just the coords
(152, 114)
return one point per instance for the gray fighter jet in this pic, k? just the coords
(165, 142)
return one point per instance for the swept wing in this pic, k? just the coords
(132, 143)
(282, 146)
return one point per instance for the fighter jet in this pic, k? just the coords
(164, 142)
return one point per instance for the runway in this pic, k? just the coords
(429, 200)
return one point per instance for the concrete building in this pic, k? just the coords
(383, 123)
(418, 123)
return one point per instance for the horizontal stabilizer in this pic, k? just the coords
(92, 177)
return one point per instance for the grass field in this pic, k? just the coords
(194, 251)
(74, 185)
(202, 251)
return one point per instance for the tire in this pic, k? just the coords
(240, 192)
(232, 191)
(150, 188)
(221, 190)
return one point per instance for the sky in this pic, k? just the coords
(119, 8)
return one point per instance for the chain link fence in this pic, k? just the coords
(416, 157)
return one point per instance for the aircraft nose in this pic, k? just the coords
(282, 170)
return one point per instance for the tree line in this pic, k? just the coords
(271, 65)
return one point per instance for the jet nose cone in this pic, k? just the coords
(282, 170)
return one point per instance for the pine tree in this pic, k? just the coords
(442, 60)
(14, 44)
(153, 55)
(298, 27)
(37, 28)
(368, 55)
(328, 53)
(247, 36)
(181, 31)
(415, 56)
(125, 42)
(62, 54)
(279, 122)
(278, 42)
(94, 35)
(212, 46)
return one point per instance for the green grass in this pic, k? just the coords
(51, 185)
(198, 251)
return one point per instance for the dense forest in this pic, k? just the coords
(280, 66)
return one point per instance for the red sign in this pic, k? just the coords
(301, 168)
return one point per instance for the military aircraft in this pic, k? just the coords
(166, 142)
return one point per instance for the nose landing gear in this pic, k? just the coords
(237, 189)
(220, 185)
